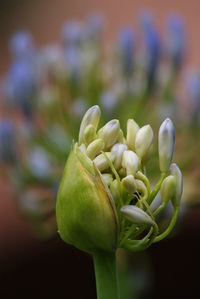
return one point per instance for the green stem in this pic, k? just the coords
(106, 275)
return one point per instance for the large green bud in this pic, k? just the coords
(86, 215)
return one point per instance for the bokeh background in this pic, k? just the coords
(51, 268)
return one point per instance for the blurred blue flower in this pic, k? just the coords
(21, 45)
(176, 39)
(73, 33)
(194, 90)
(152, 44)
(109, 101)
(39, 163)
(95, 26)
(7, 141)
(20, 85)
(126, 49)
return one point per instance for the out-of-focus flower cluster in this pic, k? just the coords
(47, 90)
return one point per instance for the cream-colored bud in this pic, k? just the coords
(132, 129)
(101, 162)
(130, 162)
(92, 117)
(175, 171)
(136, 215)
(141, 188)
(118, 150)
(89, 134)
(110, 133)
(166, 140)
(107, 178)
(114, 189)
(168, 188)
(129, 184)
(143, 140)
(120, 138)
(95, 148)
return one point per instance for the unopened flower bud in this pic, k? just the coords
(141, 188)
(166, 140)
(132, 129)
(175, 171)
(110, 133)
(168, 188)
(89, 134)
(129, 184)
(107, 178)
(92, 117)
(118, 150)
(143, 140)
(114, 188)
(101, 162)
(95, 148)
(85, 211)
(130, 162)
(136, 215)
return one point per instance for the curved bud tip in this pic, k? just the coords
(130, 162)
(175, 171)
(128, 184)
(136, 215)
(91, 117)
(132, 129)
(143, 140)
(166, 140)
(168, 188)
(110, 133)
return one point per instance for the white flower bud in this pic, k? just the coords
(166, 140)
(95, 148)
(143, 140)
(110, 133)
(89, 134)
(141, 188)
(107, 178)
(129, 184)
(118, 150)
(136, 215)
(132, 129)
(168, 188)
(130, 162)
(92, 117)
(175, 171)
(101, 162)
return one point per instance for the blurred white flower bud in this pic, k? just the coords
(95, 148)
(136, 215)
(132, 129)
(130, 162)
(101, 162)
(92, 117)
(175, 171)
(166, 140)
(109, 133)
(118, 150)
(129, 184)
(143, 140)
(107, 178)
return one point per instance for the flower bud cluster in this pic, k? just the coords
(119, 161)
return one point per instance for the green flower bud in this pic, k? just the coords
(143, 141)
(95, 148)
(175, 171)
(166, 140)
(129, 184)
(110, 133)
(136, 215)
(132, 129)
(91, 117)
(114, 188)
(86, 214)
(130, 162)
(89, 134)
(168, 188)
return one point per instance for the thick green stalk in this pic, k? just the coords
(106, 275)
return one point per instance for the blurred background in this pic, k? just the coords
(138, 60)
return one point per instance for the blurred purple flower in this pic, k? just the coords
(21, 45)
